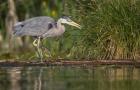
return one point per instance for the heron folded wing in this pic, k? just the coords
(17, 27)
(36, 26)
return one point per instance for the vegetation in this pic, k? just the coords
(111, 29)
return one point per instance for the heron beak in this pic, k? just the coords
(74, 24)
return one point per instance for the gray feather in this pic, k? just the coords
(36, 26)
(17, 27)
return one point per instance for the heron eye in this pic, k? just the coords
(69, 20)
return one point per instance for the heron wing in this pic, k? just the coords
(36, 26)
(17, 27)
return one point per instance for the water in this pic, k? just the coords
(70, 78)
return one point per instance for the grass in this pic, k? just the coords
(110, 30)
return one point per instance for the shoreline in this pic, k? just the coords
(13, 63)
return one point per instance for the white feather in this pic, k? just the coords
(18, 23)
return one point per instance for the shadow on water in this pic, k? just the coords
(70, 78)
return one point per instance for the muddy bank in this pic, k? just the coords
(6, 63)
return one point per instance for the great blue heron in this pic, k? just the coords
(42, 27)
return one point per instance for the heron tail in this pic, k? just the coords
(17, 28)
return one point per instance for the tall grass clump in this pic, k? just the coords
(111, 29)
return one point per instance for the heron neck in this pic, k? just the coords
(59, 24)
(60, 27)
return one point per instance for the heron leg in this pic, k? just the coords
(36, 43)
(39, 49)
(45, 49)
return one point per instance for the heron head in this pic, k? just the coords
(67, 20)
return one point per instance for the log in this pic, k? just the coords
(61, 62)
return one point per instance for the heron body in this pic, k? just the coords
(37, 26)
(42, 27)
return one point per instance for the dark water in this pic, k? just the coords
(70, 78)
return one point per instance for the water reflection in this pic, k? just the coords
(69, 78)
(14, 76)
(38, 81)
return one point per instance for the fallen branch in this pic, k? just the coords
(4, 63)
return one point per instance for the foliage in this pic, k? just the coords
(110, 28)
